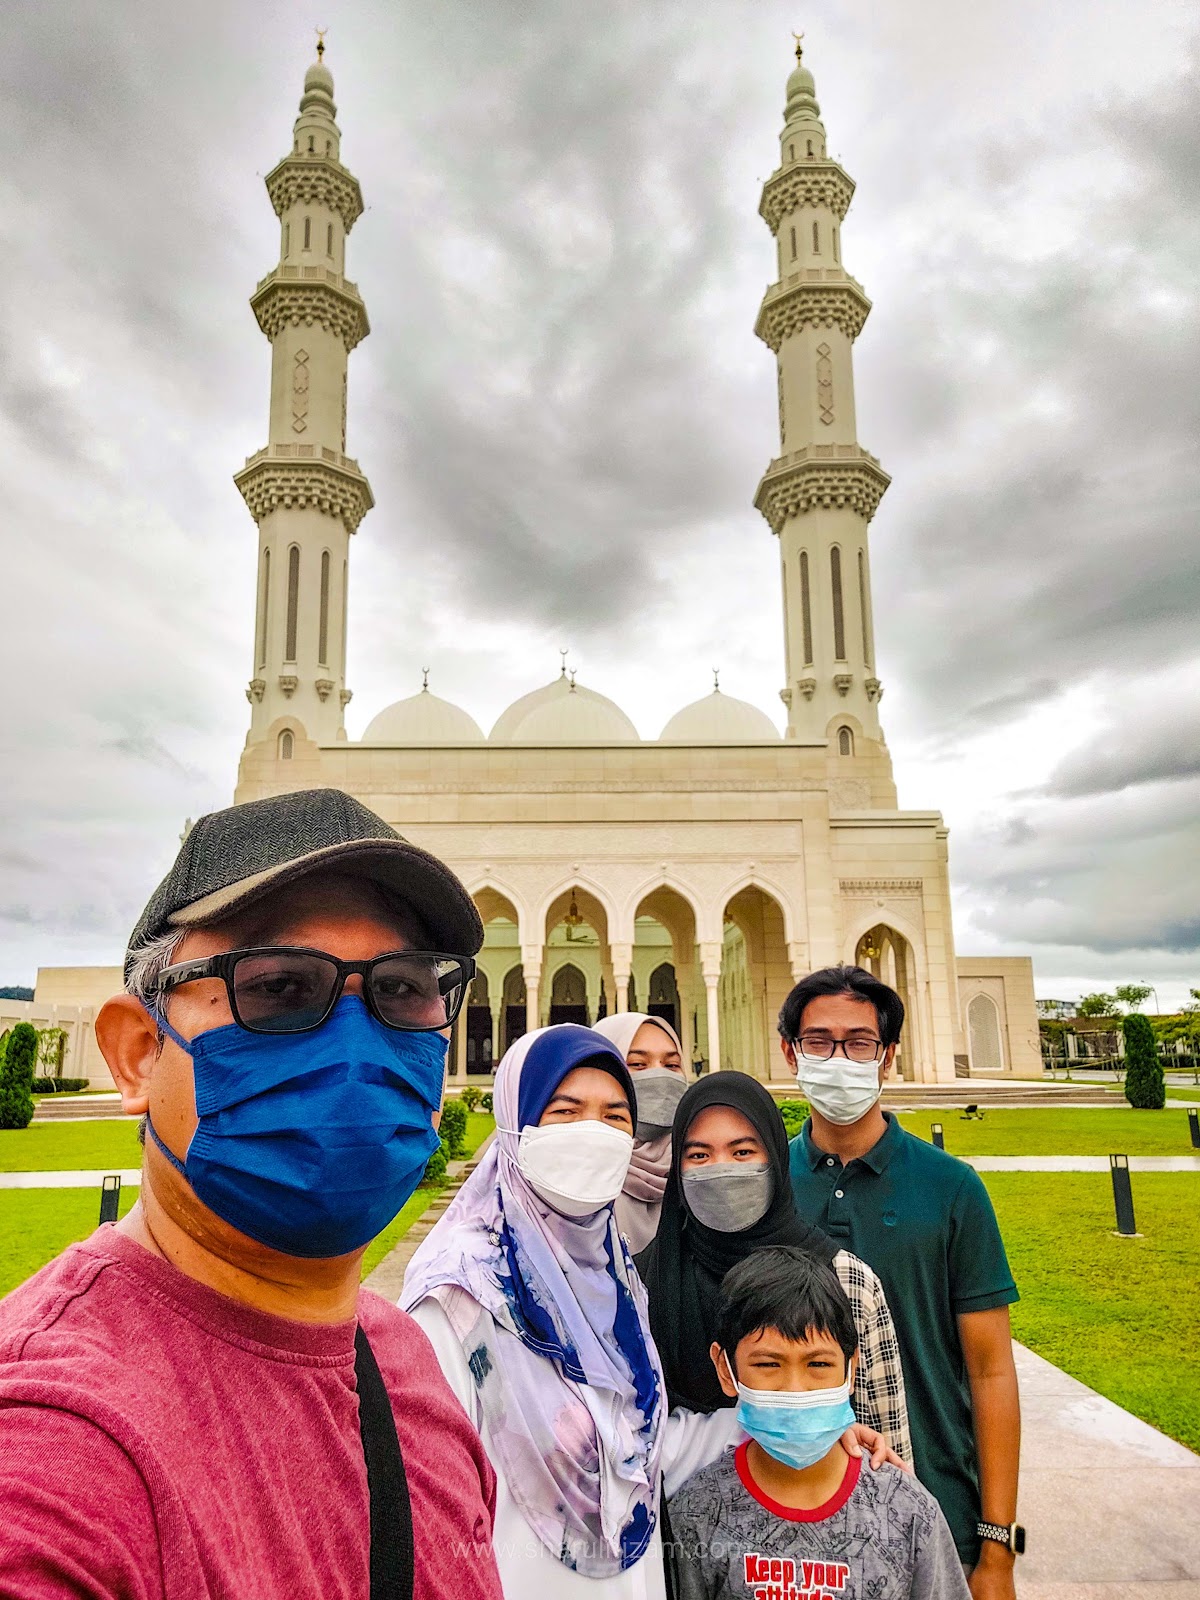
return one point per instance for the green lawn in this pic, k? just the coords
(1081, 1132)
(39, 1223)
(36, 1224)
(1121, 1315)
(107, 1146)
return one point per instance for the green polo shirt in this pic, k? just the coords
(925, 1223)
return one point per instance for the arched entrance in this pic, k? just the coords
(888, 956)
(568, 997)
(577, 945)
(755, 979)
(667, 969)
(485, 1012)
(983, 1023)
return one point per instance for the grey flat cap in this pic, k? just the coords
(234, 857)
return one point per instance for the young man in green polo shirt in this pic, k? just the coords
(925, 1223)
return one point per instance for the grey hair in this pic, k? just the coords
(147, 964)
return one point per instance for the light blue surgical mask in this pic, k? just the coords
(311, 1142)
(797, 1427)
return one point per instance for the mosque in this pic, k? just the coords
(696, 875)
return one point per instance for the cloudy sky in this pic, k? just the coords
(564, 413)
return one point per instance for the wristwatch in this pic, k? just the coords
(1011, 1537)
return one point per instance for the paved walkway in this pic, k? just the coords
(1111, 1506)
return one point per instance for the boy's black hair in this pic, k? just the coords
(783, 1287)
(854, 981)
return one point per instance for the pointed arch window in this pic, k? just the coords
(806, 608)
(311, 146)
(264, 608)
(287, 237)
(329, 239)
(836, 256)
(293, 603)
(810, 148)
(791, 152)
(845, 742)
(865, 607)
(323, 630)
(816, 238)
(308, 233)
(287, 744)
(793, 231)
(839, 615)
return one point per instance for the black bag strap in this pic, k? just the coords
(391, 1509)
(670, 1557)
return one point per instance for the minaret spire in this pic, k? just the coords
(822, 490)
(305, 493)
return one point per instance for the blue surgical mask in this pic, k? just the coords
(797, 1427)
(311, 1142)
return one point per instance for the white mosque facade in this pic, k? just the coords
(698, 874)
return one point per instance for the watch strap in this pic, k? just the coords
(1011, 1537)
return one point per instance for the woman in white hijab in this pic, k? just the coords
(654, 1056)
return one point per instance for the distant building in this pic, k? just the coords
(1056, 1010)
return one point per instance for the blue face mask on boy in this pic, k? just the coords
(311, 1142)
(797, 1427)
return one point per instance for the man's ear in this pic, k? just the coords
(724, 1377)
(129, 1043)
(885, 1066)
(789, 1051)
(852, 1370)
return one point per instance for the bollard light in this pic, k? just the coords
(938, 1137)
(1194, 1126)
(1122, 1196)
(110, 1197)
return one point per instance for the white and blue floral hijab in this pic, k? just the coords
(554, 1325)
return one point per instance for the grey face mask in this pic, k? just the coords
(659, 1091)
(731, 1196)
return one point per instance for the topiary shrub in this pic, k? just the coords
(471, 1096)
(1143, 1070)
(485, 1103)
(435, 1167)
(59, 1085)
(16, 1077)
(794, 1114)
(453, 1127)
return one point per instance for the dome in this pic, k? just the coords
(563, 713)
(423, 719)
(720, 719)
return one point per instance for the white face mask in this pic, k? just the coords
(576, 1167)
(842, 1091)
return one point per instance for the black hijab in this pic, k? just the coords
(683, 1265)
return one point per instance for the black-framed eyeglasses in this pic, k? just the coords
(284, 990)
(819, 1047)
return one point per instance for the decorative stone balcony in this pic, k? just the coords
(315, 180)
(287, 475)
(816, 297)
(821, 475)
(310, 295)
(810, 182)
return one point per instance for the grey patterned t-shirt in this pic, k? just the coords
(881, 1537)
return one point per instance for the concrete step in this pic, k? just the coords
(78, 1108)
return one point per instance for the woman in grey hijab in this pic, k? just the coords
(654, 1055)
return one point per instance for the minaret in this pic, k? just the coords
(305, 493)
(822, 490)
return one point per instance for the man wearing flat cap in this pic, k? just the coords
(199, 1400)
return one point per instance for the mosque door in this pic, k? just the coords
(479, 1026)
(568, 997)
(664, 996)
(515, 1016)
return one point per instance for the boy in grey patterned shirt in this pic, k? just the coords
(788, 1515)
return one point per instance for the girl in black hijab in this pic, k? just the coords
(728, 1194)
